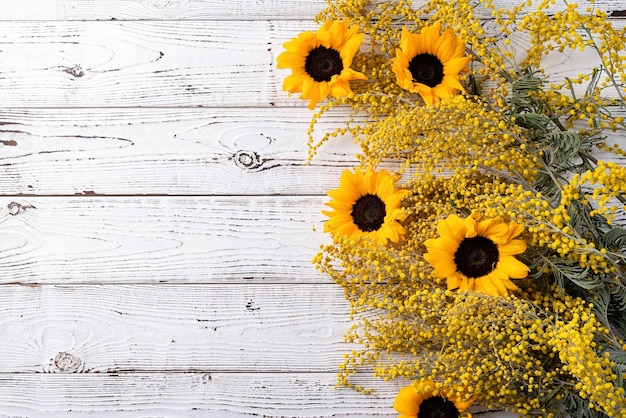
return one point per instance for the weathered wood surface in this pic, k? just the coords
(251, 327)
(158, 214)
(160, 239)
(167, 152)
(187, 152)
(206, 9)
(61, 64)
(194, 395)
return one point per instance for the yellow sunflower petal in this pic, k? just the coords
(452, 84)
(430, 36)
(495, 284)
(349, 74)
(292, 84)
(405, 42)
(442, 91)
(510, 285)
(513, 267)
(445, 46)
(384, 233)
(456, 65)
(453, 226)
(514, 230)
(394, 199)
(483, 285)
(350, 48)
(302, 44)
(444, 270)
(445, 244)
(513, 247)
(408, 401)
(470, 227)
(454, 281)
(290, 60)
(468, 284)
(340, 88)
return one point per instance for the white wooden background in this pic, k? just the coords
(157, 217)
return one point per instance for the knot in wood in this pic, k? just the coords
(76, 71)
(15, 208)
(18, 208)
(247, 160)
(67, 362)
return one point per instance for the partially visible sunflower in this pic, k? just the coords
(423, 400)
(367, 204)
(477, 255)
(429, 63)
(320, 61)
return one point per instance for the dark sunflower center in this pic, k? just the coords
(369, 213)
(476, 256)
(426, 69)
(437, 407)
(323, 63)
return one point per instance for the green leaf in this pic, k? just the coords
(533, 121)
(561, 147)
(562, 268)
(615, 239)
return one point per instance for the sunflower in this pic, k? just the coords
(423, 400)
(477, 255)
(320, 62)
(367, 204)
(429, 63)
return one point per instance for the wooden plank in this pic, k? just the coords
(196, 395)
(122, 64)
(160, 9)
(173, 152)
(175, 328)
(156, 239)
(204, 9)
(219, 395)
(161, 63)
(167, 151)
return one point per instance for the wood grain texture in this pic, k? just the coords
(133, 240)
(196, 395)
(176, 328)
(155, 240)
(158, 217)
(121, 64)
(188, 151)
(193, 395)
(204, 9)
(258, 151)
(56, 64)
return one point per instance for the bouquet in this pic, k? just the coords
(481, 238)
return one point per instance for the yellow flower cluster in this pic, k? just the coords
(571, 29)
(496, 270)
(524, 355)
